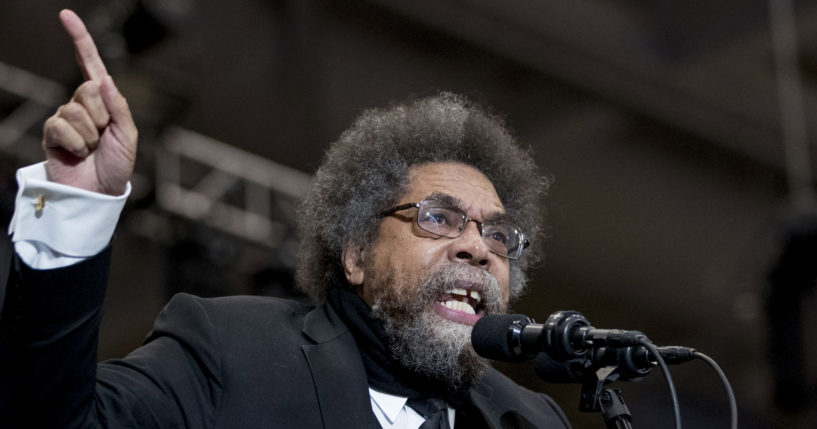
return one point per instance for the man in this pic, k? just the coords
(419, 223)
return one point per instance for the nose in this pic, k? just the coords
(470, 248)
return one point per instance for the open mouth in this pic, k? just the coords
(462, 300)
(462, 304)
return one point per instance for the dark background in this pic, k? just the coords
(659, 120)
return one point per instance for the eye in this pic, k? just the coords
(497, 233)
(435, 217)
(498, 236)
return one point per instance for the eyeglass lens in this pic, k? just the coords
(502, 238)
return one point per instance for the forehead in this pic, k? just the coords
(461, 181)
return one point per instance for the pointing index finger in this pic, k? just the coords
(87, 55)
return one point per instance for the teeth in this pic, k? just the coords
(462, 292)
(459, 306)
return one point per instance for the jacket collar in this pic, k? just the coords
(337, 371)
(322, 324)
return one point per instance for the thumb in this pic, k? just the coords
(121, 117)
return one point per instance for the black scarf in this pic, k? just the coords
(383, 372)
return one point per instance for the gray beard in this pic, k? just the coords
(419, 339)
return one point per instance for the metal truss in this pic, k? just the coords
(227, 188)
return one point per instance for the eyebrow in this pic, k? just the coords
(441, 197)
(450, 200)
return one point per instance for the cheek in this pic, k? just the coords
(417, 254)
(503, 279)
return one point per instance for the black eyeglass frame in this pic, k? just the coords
(525, 241)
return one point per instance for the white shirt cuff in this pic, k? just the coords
(56, 225)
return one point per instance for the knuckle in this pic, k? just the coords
(52, 132)
(71, 111)
(50, 123)
(59, 128)
(54, 128)
(88, 89)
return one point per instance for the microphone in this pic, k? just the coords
(573, 349)
(565, 336)
(498, 338)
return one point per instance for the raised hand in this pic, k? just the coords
(90, 143)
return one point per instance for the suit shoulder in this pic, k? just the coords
(245, 301)
(231, 316)
(238, 305)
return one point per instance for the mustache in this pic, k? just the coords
(449, 276)
(404, 303)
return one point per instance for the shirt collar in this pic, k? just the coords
(390, 405)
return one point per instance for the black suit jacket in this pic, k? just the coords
(234, 362)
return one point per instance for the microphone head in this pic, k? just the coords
(493, 337)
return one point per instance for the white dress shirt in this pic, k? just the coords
(393, 413)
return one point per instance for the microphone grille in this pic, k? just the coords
(492, 340)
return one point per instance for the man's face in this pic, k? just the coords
(430, 290)
(403, 247)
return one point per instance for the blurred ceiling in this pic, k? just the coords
(660, 121)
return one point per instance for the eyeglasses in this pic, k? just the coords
(444, 220)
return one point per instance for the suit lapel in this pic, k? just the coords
(337, 372)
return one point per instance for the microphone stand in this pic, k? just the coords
(597, 398)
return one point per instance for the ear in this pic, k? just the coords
(353, 265)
